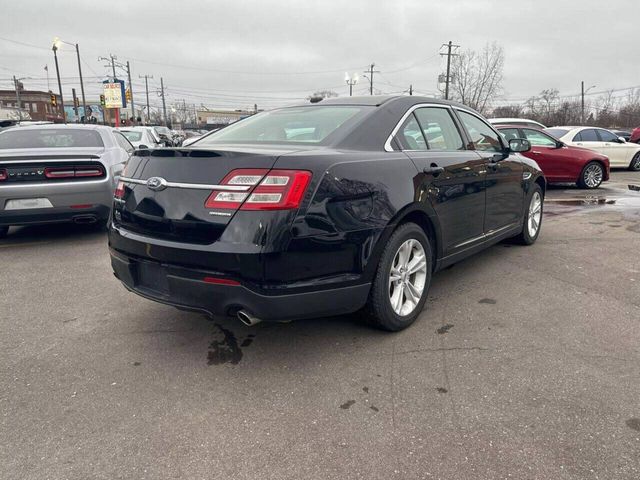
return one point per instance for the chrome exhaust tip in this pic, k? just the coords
(248, 319)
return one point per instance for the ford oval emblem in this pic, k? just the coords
(156, 184)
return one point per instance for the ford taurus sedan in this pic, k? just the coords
(559, 162)
(346, 205)
(59, 173)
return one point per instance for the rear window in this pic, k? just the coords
(131, 135)
(556, 132)
(289, 126)
(49, 138)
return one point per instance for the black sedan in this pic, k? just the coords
(322, 209)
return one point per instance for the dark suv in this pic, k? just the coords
(322, 209)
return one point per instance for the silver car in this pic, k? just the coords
(59, 173)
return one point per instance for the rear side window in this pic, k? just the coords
(588, 135)
(539, 139)
(132, 135)
(556, 132)
(50, 138)
(123, 142)
(483, 137)
(439, 129)
(410, 135)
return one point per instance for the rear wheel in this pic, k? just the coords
(532, 217)
(635, 163)
(399, 290)
(4, 231)
(591, 175)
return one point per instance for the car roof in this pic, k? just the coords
(378, 100)
(515, 125)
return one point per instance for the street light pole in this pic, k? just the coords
(55, 57)
(351, 81)
(582, 94)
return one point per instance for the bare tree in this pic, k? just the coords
(477, 76)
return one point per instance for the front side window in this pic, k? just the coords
(50, 138)
(303, 125)
(607, 136)
(538, 139)
(588, 135)
(482, 136)
(132, 135)
(439, 129)
(410, 135)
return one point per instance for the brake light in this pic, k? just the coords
(119, 193)
(221, 281)
(3, 174)
(271, 190)
(70, 172)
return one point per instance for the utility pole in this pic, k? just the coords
(583, 92)
(133, 111)
(146, 86)
(84, 102)
(447, 79)
(164, 106)
(410, 89)
(16, 84)
(370, 72)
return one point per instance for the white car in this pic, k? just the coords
(524, 122)
(620, 153)
(141, 137)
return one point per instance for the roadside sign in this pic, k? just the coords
(114, 96)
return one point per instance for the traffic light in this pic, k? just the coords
(127, 94)
(54, 100)
(102, 100)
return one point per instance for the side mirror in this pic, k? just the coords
(559, 144)
(519, 145)
(621, 140)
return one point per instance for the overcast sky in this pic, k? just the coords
(273, 52)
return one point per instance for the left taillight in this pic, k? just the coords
(270, 190)
(73, 171)
(3, 174)
(119, 192)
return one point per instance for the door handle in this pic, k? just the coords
(433, 170)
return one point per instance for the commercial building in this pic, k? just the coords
(37, 104)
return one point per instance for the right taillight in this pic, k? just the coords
(269, 190)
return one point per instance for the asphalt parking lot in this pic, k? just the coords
(525, 364)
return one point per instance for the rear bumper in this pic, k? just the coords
(94, 198)
(185, 288)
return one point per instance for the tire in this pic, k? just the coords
(379, 311)
(3, 231)
(634, 166)
(591, 175)
(535, 200)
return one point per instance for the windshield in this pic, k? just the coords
(556, 132)
(131, 135)
(49, 138)
(290, 125)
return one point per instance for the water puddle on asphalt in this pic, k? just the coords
(625, 200)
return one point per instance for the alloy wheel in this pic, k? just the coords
(535, 214)
(593, 175)
(407, 277)
(635, 164)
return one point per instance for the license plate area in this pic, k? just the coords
(152, 276)
(27, 203)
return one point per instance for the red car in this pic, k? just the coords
(561, 163)
(635, 135)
